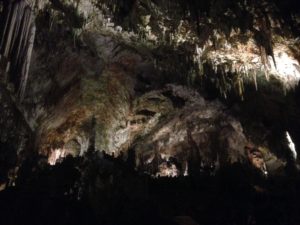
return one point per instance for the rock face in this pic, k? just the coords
(193, 129)
(14, 134)
(133, 78)
(132, 108)
(157, 120)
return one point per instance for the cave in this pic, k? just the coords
(149, 112)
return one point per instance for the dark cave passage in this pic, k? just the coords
(100, 189)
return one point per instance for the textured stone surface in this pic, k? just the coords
(14, 133)
(142, 88)
(216, 135)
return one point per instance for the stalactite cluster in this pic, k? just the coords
(181, 26)
(17, 38)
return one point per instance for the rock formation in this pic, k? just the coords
(114, 95)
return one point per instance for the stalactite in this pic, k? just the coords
(22, 36)
(5, 17)
(255, 79)
(267, 75)
(27, 26)
(19, 21)
(241, 88)
(10, 32)
(18, 32)
(19, 36)
(26, 65)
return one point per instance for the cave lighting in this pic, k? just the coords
(167, 171)
(55, 155)
(291, 145)
(287, 68)
(186, 173)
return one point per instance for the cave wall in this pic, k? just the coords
(95, 81)
(17, 33)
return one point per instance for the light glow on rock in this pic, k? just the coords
(56, 154)
(246, 59)
(186, 173)
(166, 170)
(287, 68)
(291, 145)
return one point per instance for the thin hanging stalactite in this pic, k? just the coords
(11, 30)
(17, 38)
(20, 15)
(5, 17)
(24, 59)
(25, 33)
(22, 37)
(25, 69)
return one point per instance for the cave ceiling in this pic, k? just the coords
(141, 74)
